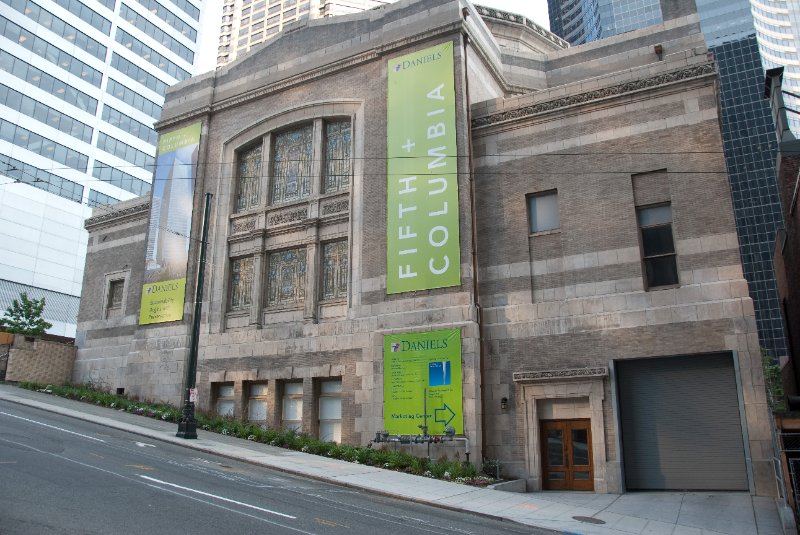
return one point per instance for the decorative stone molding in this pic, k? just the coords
(492, 13)
(243, 225)
(549, 375)
(694, 72)
(117, 215)
(335, 206)
(284, 217)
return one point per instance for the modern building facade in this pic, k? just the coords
(504, 254)
(247, 23)
(748, 134)
(82, 84)
(777, 24)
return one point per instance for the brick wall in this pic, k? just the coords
(40, 361)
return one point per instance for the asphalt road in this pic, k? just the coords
(64, 476)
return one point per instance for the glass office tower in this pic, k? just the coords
(82, 84)
(247, 23)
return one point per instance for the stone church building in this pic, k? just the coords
(433, 213)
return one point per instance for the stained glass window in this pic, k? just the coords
(287, 277)
(249, 176)
(291, 167)
(334, 270)
(337, 156)
(241, 282)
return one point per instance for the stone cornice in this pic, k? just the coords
(505, 16)
(661, 80)
(117, 216)
(560, 375)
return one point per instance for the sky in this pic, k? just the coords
(535, 10)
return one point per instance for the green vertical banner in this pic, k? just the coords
(422, 248)
(170, 226)
(422, 372)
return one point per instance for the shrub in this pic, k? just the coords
(384, 457)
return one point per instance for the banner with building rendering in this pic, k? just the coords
(422, 247)
(170, 226)
(422, 376)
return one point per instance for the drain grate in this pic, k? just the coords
(588, 520)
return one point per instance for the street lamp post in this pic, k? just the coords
(187, 426)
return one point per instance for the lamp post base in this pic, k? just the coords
(187, 425)
(187, 429)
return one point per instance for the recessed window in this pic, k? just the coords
(224, 402)
(257, 403)
(291, 167)
(292, 411)
(248, 189)
(338, 137)
(287, 277)
(330, 410)
(116, 290)
(241, 283)
(334, 270)
(658, 246)
(543, 212)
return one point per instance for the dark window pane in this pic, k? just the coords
(580, 447)
(657, 240)
(661, 271)
(555, 447)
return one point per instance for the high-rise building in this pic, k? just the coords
(82, 84)
(777, 24)
(246, 23)
(747, 129)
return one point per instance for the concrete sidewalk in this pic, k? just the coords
(662, 513)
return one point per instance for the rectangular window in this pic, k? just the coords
(249, 179)
(292, 410)
(291, 167)
(334, 270)
(338, 167)
(286, 279)
(330, 410)
(257, 403)
(543, 211)
(116, 289)
(224, 402)
(241, 283)
(658, 246)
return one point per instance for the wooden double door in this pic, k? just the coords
(567, 455)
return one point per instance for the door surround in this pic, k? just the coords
(555, 384)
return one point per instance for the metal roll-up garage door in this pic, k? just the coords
(681, 427)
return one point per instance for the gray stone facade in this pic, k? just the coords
(544, 316)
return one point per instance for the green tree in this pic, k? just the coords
(24, 316)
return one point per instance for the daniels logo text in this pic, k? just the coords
(163, 287)
(407, 64)
(419, 345)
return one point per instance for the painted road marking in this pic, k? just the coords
(217, 497)
(330, 523)
(52, 427)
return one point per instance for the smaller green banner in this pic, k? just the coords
(422, 375)
(162, 301)
(178, 139)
